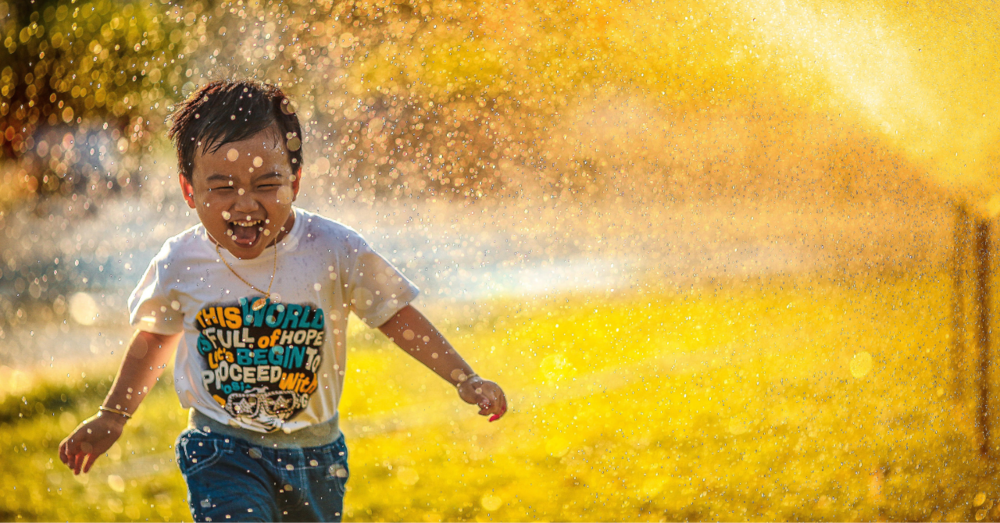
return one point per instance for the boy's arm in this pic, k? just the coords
(143, 363)
(415, 334)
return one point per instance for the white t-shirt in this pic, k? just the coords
(283, 366)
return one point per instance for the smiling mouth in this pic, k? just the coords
(245, 233)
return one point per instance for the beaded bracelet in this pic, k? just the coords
(122, 413)
(467, 378)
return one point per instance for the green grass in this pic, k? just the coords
(730, 401)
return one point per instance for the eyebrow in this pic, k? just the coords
(218, 177)
(265, 176)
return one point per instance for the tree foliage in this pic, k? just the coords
(81, 89)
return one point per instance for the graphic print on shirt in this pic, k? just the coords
(260, 366)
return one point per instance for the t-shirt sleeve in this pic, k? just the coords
(377, 289)
(152, 307)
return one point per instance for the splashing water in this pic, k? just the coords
(920, 74)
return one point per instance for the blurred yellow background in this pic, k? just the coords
(704, 246)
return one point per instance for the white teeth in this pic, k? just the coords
(247, 224)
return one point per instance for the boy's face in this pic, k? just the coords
(243, 193)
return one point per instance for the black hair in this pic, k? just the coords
(226, 111)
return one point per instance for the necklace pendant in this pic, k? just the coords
(258, 304)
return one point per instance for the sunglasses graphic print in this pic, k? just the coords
(260, 365)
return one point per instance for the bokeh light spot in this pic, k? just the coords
(861, 364)
(83, 308)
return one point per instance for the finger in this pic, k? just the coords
(484, 401)
(492, 405)
(497, 411)
(501, 407)
(495, 406)
(62, 453)
(91, 458)
(77, 461)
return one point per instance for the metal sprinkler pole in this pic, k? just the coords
(983, 329)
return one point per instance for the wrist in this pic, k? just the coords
(464, 378)
(116, 415)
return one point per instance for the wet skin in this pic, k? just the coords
(243, 193)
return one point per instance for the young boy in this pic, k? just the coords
(260, 293)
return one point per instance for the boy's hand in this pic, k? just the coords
(91, 439)
(486, 394)
(415, 334)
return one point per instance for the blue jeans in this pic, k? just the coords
(230, 479)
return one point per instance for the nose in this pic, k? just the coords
(245, 202)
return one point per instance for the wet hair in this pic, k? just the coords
(226, 111)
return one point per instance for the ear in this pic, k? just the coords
(187, 189)
(295, 184)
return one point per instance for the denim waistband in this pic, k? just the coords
(312, 436)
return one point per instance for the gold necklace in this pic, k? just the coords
(259, 303)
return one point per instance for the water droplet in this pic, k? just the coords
(232, 155)
(557, 446)
(407, 476)
(491, 502)
(116, 483)
(861, 364)
(83, 308)
(738, 426)
(258, 161)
